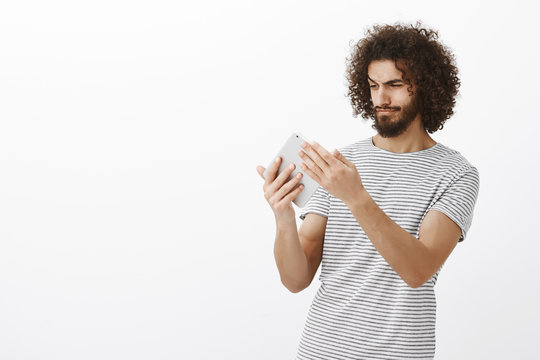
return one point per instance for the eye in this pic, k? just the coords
(373, 86)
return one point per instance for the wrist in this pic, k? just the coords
(360, 199)
(285, 218)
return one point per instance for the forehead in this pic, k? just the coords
(383, 70)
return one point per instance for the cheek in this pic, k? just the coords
(403, 98)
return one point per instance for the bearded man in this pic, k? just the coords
(389, 209)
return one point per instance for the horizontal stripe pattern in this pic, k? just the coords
(363, 309)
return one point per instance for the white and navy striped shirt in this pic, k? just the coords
(363, 309)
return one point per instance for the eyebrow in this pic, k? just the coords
(389, 82)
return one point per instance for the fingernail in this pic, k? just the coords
(303, 144)
(277, 159)
(291, 166)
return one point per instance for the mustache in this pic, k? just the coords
(394, 108)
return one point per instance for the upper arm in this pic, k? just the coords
(440, 235)
(311, 235)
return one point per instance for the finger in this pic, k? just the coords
(311, 165)
(337, 155)
(260, 170)
(342, 158)
(294, 194)
(330, 160)
(325, 154)
(272, 171)
(281, 179)
(310, 172)
(286, 188)
(315, 157)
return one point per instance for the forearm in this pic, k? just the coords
(290, 258)
(409, 257)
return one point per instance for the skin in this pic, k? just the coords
(394, 114)
(388, 90)
(298, 253)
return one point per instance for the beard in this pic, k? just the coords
(396, 123)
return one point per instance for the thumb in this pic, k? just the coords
(340, 156)
(260, 170)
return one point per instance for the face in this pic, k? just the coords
(395, 107)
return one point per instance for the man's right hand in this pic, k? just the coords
(279, 193)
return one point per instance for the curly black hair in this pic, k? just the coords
(423, 61)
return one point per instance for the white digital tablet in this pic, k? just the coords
(289, 154)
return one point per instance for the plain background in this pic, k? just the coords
(132, 219)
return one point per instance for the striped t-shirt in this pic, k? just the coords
(363, 309)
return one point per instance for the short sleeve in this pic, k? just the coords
(319, 203)
(458, 200)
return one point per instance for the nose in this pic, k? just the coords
(380, 97)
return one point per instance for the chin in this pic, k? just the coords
(383, 135)
(390, 131)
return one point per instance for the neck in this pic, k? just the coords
(415, 138)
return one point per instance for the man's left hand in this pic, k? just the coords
(332, 171)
